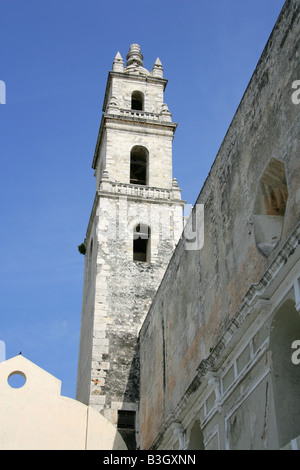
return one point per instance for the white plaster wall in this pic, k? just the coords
(37, 417)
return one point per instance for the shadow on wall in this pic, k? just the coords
(124, 383)
(127, 419)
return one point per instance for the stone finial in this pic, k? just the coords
(165, 113)
(134, 55)
(112, 107)
(157, 70)
(105, 183)
(176, 191)
(118, 64)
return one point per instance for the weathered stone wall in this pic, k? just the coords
(117, 296)
(153, 93)
(87, 319)
(124, 288)
(122, 137)
(202, 290)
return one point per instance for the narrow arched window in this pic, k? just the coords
(139, 165)
(141, 243)
(137, 101)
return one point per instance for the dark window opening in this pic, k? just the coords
(138, 165)
(126, 427)
(137, 101)
(141, 243)
(126, 419)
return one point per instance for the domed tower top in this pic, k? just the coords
(134, 55)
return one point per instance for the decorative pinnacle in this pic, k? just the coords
(157, 70)
(134, 55)
(158, 63)
(118, 64)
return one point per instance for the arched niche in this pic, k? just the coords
(196, 437)
(285, 329)
(270, 207)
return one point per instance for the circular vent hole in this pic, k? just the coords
(16, 379)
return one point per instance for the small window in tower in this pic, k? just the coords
(138, 165)
(137, 101)
(126, 427)
(126, 419)
(141, 243)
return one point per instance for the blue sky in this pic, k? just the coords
(55, 57)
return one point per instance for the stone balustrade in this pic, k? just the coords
(140, 114)
(142, 191)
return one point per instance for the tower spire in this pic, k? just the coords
(134, 55)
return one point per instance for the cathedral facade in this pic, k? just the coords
(189, 333)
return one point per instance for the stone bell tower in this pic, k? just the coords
(135, 223)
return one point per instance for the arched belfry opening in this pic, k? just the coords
(141, 243)
(139, 165)
(137, 101)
